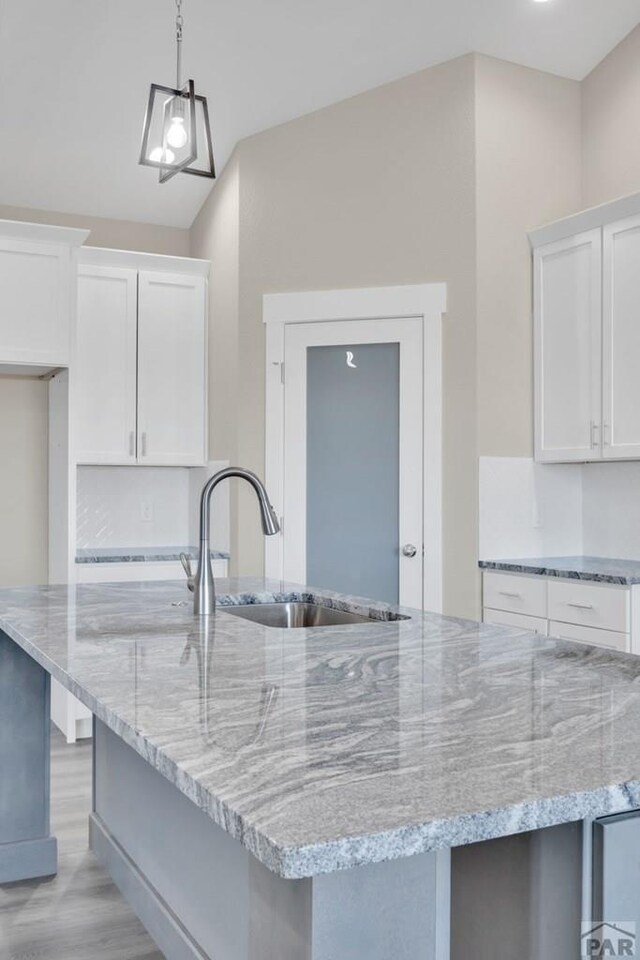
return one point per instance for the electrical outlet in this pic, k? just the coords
(146, 511)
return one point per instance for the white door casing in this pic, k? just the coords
(426, 303)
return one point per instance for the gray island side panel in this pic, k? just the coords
(27, 850)
(202, 895)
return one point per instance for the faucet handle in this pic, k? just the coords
(186, 566)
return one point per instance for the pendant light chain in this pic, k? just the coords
(179, 24)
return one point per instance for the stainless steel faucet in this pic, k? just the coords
(202, 585)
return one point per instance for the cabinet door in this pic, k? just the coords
(621, 339)
(35, 319)
(567, 323)
(172, 363)
(106, 365)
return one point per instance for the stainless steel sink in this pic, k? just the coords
(298, 614)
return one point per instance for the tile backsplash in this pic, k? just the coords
(611, 509)
(132, 506)
(530, 509)
(147, 506)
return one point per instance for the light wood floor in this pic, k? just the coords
(78, 915)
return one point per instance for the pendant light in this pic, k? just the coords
(177, 137)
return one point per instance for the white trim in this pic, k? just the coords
(43, 233)
(428, 301)
(443, 905)
(104, 257)
(586, 220)
(587, 869)
(371, 303)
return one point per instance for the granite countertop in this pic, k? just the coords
(599, 569)
(325, 748)
(141, 554)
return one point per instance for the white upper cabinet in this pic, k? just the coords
(567, 298)
(141, 386)
(36, 283)
(621, 340)
(171, 369)
(106, 365)
(587, 334)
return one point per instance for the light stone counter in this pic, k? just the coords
(323, 749)
(595, 569)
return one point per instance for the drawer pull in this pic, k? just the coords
(580, 606)
(507, 593)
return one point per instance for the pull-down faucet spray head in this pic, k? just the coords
(204, 595)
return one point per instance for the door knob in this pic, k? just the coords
(409, 550)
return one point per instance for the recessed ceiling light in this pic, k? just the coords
(540, 1)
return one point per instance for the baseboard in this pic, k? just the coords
(161, 923)
(28, 860)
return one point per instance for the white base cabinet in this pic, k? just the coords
(70, 716)
(603, 614)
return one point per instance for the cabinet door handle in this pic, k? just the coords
(580, 606)
(132, 443)
(143, 440)
(507, 593)
(594, 433)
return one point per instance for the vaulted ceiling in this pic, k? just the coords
(74, 77)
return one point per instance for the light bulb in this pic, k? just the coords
(177, 135)
(162, 156)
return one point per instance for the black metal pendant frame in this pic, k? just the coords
(166, 170)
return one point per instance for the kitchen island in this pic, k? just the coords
(269, 793)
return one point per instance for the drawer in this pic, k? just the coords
(599, 638)
(504, 591)
(589, 605)
(505, 619)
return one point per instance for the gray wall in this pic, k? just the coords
(378, 189)
(528, 163)
(435, 177)
(611, 124)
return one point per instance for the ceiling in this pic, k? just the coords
(74, 77)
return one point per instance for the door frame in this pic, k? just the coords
(427, 302)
